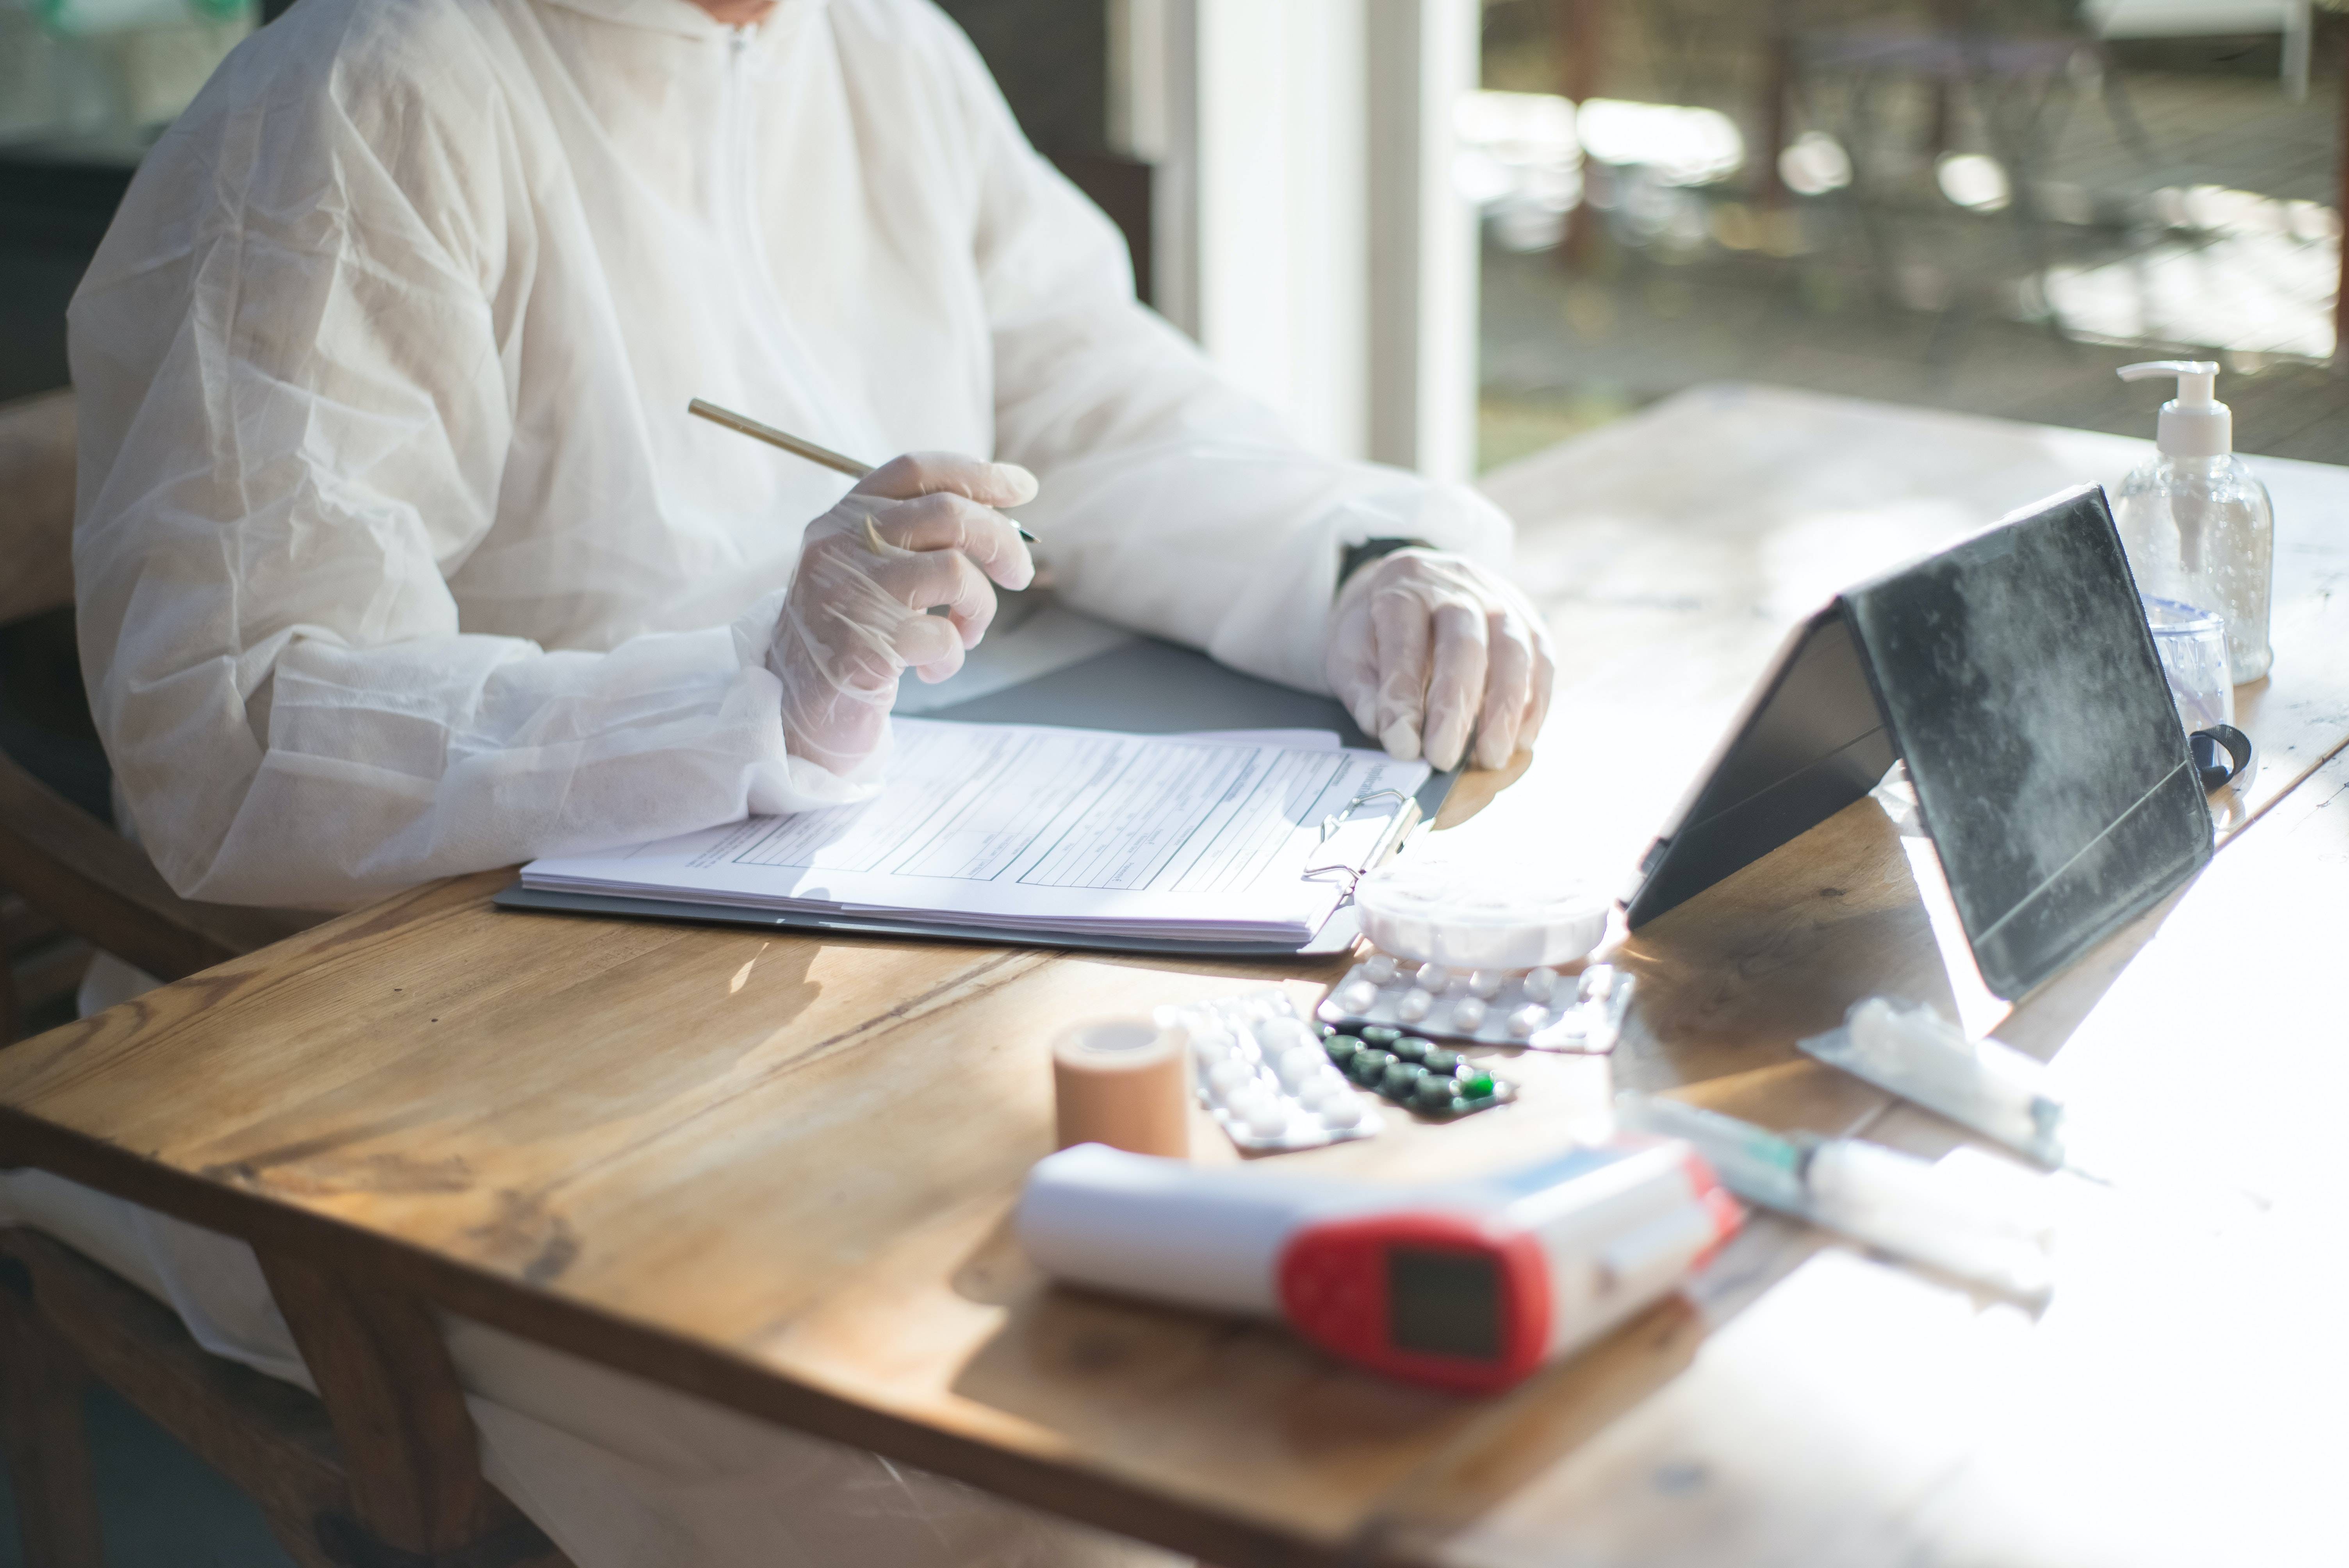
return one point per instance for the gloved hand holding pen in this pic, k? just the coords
(916, 532)
(1427, 648)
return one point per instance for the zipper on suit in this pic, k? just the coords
(756, 296)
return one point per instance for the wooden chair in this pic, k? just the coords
(382, 1469)
(40, 963)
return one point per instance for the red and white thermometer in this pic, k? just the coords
(1467, 1285)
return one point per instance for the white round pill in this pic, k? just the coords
(1597, 982)
(1485, 983)
(1524, 1021)
(1266, 1118)
(1539, 984)
(1299, 1064)
(1433, 977)
(1343, 1110)
(1229, 1074)
(1380, 969)
(1358, 996)
(1277, 1034)
(1321, 1094)
(1468, 1015)
(1413, 1006)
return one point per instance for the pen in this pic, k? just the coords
(794, 444)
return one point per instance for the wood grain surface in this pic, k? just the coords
(775, 1170)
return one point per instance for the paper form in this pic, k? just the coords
(1032, 827)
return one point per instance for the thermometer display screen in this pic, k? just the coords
(1444, 1303)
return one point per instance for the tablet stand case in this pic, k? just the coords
(2014, 674)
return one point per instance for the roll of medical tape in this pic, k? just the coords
(1124, 1082)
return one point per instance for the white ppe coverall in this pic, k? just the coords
(398, 556)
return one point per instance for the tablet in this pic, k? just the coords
(2014, 674)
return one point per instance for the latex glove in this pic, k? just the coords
(916, 532)
(1427, 648)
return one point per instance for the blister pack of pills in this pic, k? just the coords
(1261, 1066)
(1538, 1008)
(1416, 1073)
(1985, 1085)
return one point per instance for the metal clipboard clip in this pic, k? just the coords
(1406, 817)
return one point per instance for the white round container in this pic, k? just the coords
(1469, 916)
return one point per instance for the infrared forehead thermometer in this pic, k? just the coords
(1464, 1284)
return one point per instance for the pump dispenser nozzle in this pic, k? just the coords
(2197, 524)
(2194, 424)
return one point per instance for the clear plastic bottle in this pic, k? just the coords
(2197, 526)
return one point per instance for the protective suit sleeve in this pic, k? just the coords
(1170, 502)
(295, 352)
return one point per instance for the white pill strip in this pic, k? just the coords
(1260, 1067)
(1539, 1008)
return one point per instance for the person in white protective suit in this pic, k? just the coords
(398, 557)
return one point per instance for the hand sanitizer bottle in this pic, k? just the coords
(2198, 529)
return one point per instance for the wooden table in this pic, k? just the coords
(776, 1171)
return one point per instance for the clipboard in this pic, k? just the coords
(1119, 681)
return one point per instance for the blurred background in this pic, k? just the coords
(1978, 206)
(1437, 233)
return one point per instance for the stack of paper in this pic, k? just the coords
(1032, 831)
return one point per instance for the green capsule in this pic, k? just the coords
(1434, 1095)
(1342, 1048)
(1439, 1060)
(1369, 1067)
(1379, 1035)
(1411, 1049)
(1477, 1087)
(1400, 1079)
